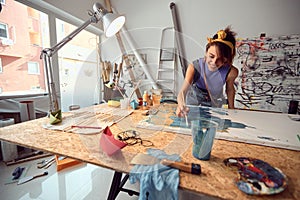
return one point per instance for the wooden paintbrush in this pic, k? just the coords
(146, 159)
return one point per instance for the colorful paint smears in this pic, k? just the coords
(257, 177)
(166, 118)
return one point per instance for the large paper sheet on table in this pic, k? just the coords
(262, 128)
(90, 120)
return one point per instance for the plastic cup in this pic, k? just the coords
(124, 103)
(203, 132)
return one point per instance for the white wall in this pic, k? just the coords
(201, 19)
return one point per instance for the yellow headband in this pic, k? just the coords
(221, 36)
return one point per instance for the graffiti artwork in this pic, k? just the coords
(269, 72)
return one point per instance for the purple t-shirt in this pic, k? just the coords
(215, 80)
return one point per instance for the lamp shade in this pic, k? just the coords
(112, 23)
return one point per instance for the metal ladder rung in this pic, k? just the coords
(167, 54)
(166, 70)
(165, 80)
(167, 92)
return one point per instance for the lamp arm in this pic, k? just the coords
(47, 54)
(55, 48)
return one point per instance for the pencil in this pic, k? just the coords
(91, 127)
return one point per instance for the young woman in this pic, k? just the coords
(206, 77)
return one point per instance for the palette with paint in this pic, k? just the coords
(257, 177)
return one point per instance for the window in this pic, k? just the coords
(77, 71)
(78, 67)
(26, 69)
(33, 68)
(3, 31)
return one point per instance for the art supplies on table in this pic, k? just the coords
(263, 128)
(90, 120)
(146, 159)
(257, 177)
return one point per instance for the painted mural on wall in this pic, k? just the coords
(269, 72)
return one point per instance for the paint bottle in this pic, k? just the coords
(145, 99)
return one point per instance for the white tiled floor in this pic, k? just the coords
(84, 181)
(81, 182)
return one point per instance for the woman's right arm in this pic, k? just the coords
(182, 110)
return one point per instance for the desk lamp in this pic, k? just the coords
(112, 23)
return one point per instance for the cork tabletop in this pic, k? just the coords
(216, 179)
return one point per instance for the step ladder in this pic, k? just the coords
(165, 77)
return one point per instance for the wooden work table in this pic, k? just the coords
(216, 179)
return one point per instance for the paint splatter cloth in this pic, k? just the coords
(257, 177)
(157, 181)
